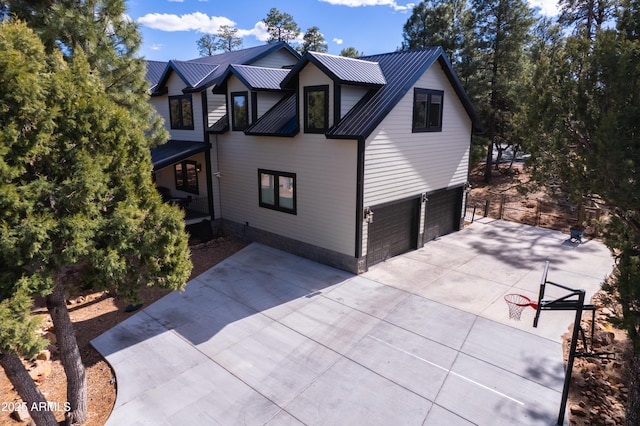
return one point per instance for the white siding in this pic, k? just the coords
(400, 164)
(350, 95)
(312, 76)
(175, 86)
(266, 100)
(276, 59)
(325, 186)
(216, 106)
(161, 104)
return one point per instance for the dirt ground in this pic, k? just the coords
(93, 314)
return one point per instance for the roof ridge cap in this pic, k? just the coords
(343, 57)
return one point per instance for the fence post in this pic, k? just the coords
(487, 202)
(501, 210)
(537, 212)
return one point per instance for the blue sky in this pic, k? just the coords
(170, 28)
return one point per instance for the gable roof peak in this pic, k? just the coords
(205, 71)
(341, 69)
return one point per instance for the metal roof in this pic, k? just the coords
(402, 70)
(281, 120)
(204, 72)
(257, 78)
(193, 73)
(155, 69)
(174, 151)
(341, 69)
(246, 56)
(220, 126)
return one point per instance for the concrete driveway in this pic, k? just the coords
(266, 337)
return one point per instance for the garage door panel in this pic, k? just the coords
(394, 230)
(442, 214)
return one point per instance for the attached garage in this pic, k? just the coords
(442, 213)
(394, 230)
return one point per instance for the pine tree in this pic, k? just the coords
(207, 45)
(437, 23)
(99, 220)
(584, 105)
(313, 41)
(501, 30)
(350, 52)
(281, 26)
(228, 39)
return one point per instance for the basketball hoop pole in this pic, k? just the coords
(567, 303)
(571, 357)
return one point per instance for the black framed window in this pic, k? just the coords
(427, 110)
(181, 112)
(277, 190)
(316, 109)
(186, 174)
(239, 110)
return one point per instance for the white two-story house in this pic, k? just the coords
(181, 93)
(340, 160)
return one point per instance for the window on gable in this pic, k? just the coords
(181, 112)
(277, 190)
(239, 110)
(427, 110)
(186, 174)
(316, 109)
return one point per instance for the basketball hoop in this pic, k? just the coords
(517, 303)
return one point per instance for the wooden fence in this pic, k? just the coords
(542, 213)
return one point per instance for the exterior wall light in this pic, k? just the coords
(368, 215)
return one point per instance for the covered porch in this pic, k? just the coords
(181, 174)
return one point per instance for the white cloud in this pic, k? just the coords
(547, 7)
(197, 21)
(156, 46)
(259, 31)
(359, 3)
(176, 1)
(338, 40)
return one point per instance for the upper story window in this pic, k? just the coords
(277, 190)
(427, 110)
(316, 109)
(181, 112)
(239, 110)
(187, 176)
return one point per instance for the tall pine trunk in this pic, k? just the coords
(69, 355)
(27, 389)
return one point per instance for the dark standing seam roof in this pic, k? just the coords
(280, 120)
(155, 69)
(351, 70)
(243, 56)
(220, 126)
(258, 78)
(174, 151)
(402, 70)
(341, 69)
(194, 75)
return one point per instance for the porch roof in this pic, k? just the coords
(174, 151)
